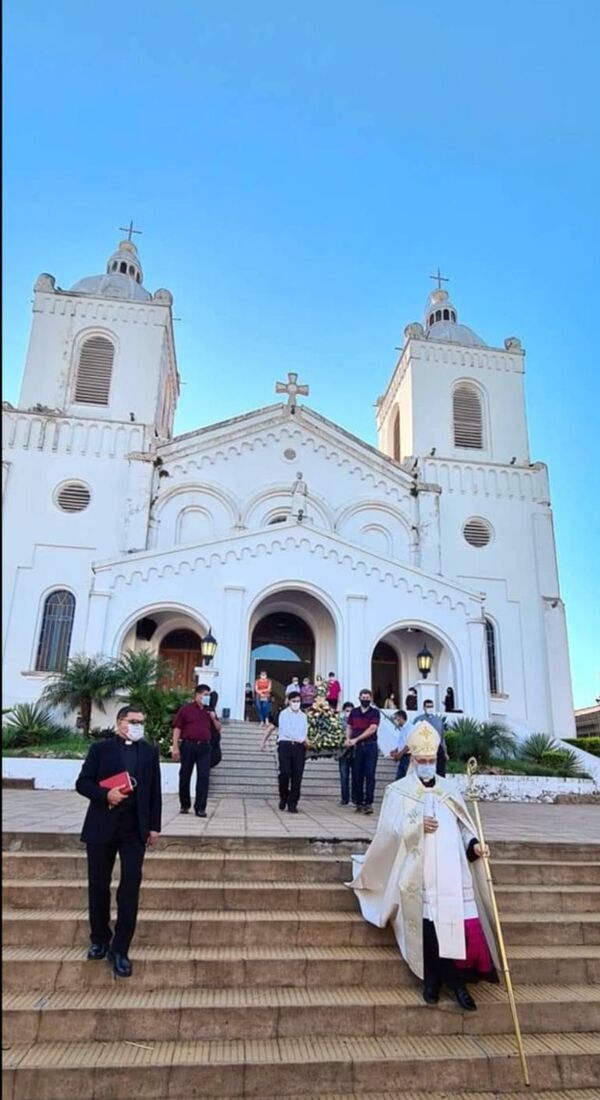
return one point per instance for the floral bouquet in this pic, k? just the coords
(326, 731)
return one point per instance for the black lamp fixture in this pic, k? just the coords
(424, 661)
(208, 646)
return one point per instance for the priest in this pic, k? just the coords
(421, 872)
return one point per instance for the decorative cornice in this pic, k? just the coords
(154, 565)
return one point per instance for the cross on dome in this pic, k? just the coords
(129, 230)
(292, 389)
(439, 278)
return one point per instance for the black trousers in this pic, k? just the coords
(440, 765)
(194, 754)
(437, 971)
(292, 756)
(101, 860)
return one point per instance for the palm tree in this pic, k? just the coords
(483, 740)
(84, 683)
(139, 670)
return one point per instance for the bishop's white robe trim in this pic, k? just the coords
(406, 874)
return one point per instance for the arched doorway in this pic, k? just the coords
(284, 645)
(181, 651)
(385, 674)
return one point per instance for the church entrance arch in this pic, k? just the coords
(291, 633)
(396, 653)
(284, 645)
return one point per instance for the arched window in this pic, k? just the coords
(453, 316)
(123, 269)
(492, 656)
(55, 634)
(467, 417)
(396, 437)
(438, 314)
(94, 371)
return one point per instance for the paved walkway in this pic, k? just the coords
(63, 811)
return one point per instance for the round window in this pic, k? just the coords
(72, 496)
(477, 532)
(289, 454)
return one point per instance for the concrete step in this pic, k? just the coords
(197, 893)
(284, 927)
(108, 1014)
(180, 966)
(418, 1094)
(507, 851)
(283, 1067)
(271, 866)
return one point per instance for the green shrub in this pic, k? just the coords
(537, 746)
(159, 707)
(482, 740)
(588, 744)
(451, 738)
(30, 724)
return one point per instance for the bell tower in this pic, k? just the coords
(104, 349)
(453, 395)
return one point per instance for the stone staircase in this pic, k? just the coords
(245, 770)
(255, 976)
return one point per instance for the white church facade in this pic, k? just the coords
(299, 546)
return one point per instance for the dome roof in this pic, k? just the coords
(123, 277)
(113, 285)
(441, 322)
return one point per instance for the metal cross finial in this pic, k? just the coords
(292, 389)
(440, 278)
(129, 230)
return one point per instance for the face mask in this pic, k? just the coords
(135, 731)
(428, 710)
(365, 703)
(206, 700)
(295, 705)
(426, 772)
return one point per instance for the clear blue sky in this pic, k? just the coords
(298, 170)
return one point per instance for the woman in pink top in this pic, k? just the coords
(334, 690)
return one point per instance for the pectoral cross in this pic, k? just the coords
(292, 389)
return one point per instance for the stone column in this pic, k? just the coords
(95, 627)
(477, 697)
(232, 650)
(357, 673)
(559, 674)
(430, 555)
(139, 492)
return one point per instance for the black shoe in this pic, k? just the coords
(200, 813)
(465, 999)
(431, 994)
(120, 964)
(97, 951)
(283, 803)
(292, 809)
(358, 809)
(342, 803)
(184, 810)
(367, 809)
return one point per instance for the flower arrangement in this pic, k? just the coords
(326, 731)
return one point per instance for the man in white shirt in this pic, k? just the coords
(292, 742)
(294, 686)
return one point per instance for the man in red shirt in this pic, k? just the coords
(193, 728)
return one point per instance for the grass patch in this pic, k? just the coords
(71, 747)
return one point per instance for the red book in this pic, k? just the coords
(123, 781)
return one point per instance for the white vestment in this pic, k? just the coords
(408, 874)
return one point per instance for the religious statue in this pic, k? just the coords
(299, 495)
